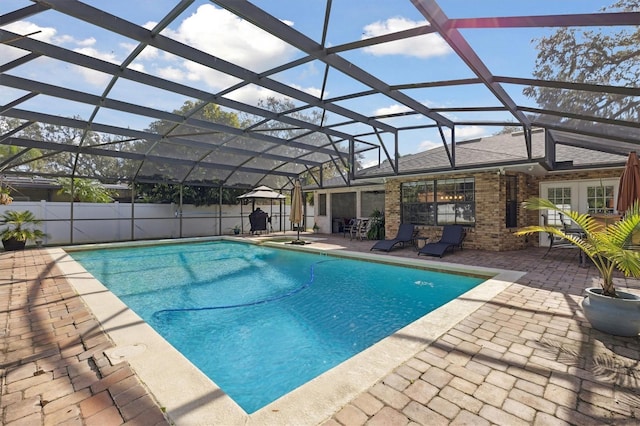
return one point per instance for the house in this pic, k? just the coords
(37, 188)
(484, 191)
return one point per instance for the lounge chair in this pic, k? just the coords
(404, 235)
(452, 236)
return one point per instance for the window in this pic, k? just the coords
(371, 201)
(322, 204)
(456, 201)
(600, 199)
(418, 203)
(446, 201)
(561, 197)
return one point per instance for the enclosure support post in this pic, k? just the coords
(180, 210)
(71, 205)
(133, 214)
(219, 210)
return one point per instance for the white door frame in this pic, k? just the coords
(578, 195)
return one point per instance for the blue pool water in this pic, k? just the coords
(262, 321)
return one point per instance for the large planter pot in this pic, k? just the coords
(12, 244)
(618, 316)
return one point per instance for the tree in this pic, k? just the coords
(165, 193)
(192, 193)
(20, 159)
(285, 132)
(604, 57)
(208, 112)
(50, 162)
(84, 190)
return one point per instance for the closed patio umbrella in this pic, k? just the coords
(296, 208)
(629, 189)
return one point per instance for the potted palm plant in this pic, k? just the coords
(20, 227)
(608, 247)
(376, 228)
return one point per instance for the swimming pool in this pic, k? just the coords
(261, 321)
(189, 397)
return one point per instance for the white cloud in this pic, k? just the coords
(138, 67)
(392, 109)
(65, 39)
(309, 71)
(45, 34)
(251, 94)
(171, 73)
(95, 53)
(50, 35)
(224, 35)
(423, 46)
(86, 42)
(148, 53)
(470, 132)
(228, 37)
(462, 134)
(91, 76)
(196, 72)
(426, 145)
(209, 28)
(313, 91)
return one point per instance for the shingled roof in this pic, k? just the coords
(506, 150)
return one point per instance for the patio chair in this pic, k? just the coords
(556, 242)
(452, 236)
(360, 229)
(404, 235)
(346, 229)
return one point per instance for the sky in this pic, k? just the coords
(506, 52)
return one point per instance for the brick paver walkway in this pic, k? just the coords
(54, 371)
(527, 357)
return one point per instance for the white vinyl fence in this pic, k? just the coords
(94, 222)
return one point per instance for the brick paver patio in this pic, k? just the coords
(54, 370)
(526, 357)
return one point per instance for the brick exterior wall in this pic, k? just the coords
(489, 232)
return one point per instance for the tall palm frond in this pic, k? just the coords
(609, 247)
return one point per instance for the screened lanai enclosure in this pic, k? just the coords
(232, 94)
